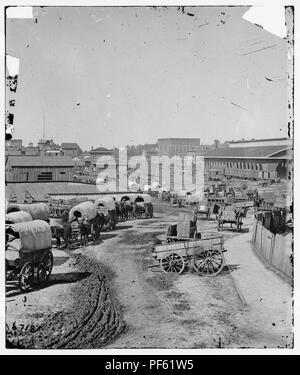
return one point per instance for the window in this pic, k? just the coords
(62, 172)
(44, 176)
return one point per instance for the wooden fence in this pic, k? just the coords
(276, 249)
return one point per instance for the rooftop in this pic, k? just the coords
(178, 139)
(101, 149)
(69, 145)
(259, 140)
(40, 190)
(250, 152)
(40, 161)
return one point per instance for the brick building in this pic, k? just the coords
(178, 146)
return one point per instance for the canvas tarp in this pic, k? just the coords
(86, 210)
(107, 202)
(229, 214)
(38, 211)
(34, 235)
(145, 197)
(17, 217)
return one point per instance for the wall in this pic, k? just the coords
(19, 174)
(244, 168)
(276, 249)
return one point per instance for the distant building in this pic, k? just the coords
(70, 149)
(47, 145)
(13, 147)
(149, 152)
(95, 153)
(267, 159)
(38, 168)
(178, 146)
(30, 150)
(52, 153)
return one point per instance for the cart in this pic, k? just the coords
(106, 208)
(230, 215)
(204, 211)
(188, 247)
(142, 206)
(59, 208)
(17, 217)
(28, 254)
(83, 224)
(38, 211)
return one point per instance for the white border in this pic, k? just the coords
(152, 352)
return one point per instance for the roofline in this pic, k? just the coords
(259, 140)
(43, 166)
(284, 149)
(244, 157)
(168, 139)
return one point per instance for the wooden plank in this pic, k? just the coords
(206, 242)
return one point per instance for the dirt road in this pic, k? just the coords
(141, 307)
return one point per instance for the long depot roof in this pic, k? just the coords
(260, 152)
(39, 191)
(40, 161)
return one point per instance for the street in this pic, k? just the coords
(111, 294)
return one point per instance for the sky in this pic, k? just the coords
(112, 76)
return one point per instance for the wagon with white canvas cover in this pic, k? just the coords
(28, 253)
(143, 206)
(106, 208)
(38, 211)
(83, 223)
(17, 217)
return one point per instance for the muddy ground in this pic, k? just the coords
(112, 294)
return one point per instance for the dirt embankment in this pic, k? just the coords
(93, 320)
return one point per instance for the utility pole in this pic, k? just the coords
(43, 125)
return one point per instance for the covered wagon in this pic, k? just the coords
(106, 208)
(142, 206)
(38, 211)
(83, 224)
(17, 217)
(28, 254)
(230, 215)
(124, 206)
(85, 210)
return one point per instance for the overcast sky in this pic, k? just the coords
(127, 75)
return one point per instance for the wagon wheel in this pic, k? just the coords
(26, 277)
(209, 262)
(172, 263)
(45, 267)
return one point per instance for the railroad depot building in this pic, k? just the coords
(178, 146)
(38, 168)
(267, 159)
